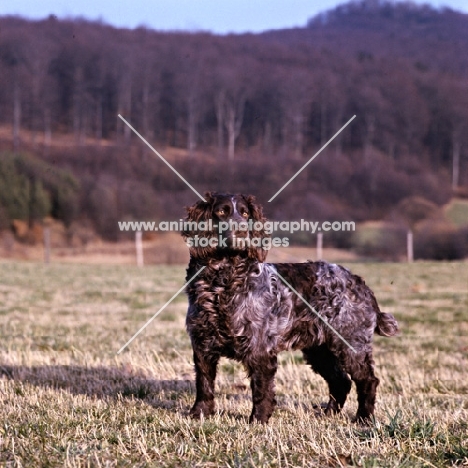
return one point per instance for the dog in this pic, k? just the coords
(245, 309)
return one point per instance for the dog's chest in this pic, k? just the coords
(257, 311)
(242, 312)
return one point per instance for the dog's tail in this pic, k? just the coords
(386, 324)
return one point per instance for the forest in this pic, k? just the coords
(238, 113)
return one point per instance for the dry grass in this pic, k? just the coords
(68, 400)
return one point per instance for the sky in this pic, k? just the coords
(219, 16)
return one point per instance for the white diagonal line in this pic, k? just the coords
(160, 310)
(157, 154)
(315, 312)
(312, 158)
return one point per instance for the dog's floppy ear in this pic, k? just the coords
(256, 212)
(201, 210)
(198, 214)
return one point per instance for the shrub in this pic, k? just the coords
(39, 201)
(14, 189)
(31, 189)
(102, 206)
(440, 241)
(380, 239)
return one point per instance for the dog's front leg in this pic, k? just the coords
(262, 374)
(205, 371)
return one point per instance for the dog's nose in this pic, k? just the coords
(237, 218)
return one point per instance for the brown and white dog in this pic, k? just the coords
(245, 309)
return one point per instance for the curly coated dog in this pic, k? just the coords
(245, 309)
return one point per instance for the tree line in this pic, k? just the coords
(243, 111)
(281, 93)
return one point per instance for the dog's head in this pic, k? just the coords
(226, 225)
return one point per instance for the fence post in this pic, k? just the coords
(139, 248)
(409, 246)
(319, 245)
(46, 240)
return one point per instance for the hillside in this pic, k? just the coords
(235, 113)
(430, 39)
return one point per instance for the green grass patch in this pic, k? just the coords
(457, 212)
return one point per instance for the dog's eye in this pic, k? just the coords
(221, 212)
(245, 214)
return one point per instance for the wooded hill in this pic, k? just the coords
(235, 113)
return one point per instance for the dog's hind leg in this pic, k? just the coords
(205, 371)
(262, 382)
(366, 382)
(326, 364)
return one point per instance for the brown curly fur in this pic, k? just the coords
(239, 308)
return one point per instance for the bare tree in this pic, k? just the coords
(296, 99)
(16, 113)
(230, 97)
(459, 120)
(191, 87)
(234, 111)
(220, 98)
(14, 60)
(124, 106)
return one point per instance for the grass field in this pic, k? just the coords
(68, 400)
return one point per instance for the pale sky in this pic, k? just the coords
(219, 16)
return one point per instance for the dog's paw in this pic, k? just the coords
(260, 415)
(203, 409)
